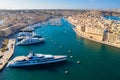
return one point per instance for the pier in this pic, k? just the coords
(7, 54)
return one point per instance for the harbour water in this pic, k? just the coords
(1, 21)
(97, 61)
(112, 17)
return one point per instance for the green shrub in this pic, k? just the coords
(4, 45)
(3, 49)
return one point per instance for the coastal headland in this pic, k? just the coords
(93, 26)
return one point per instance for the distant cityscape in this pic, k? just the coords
(89, 23)
(14, 20)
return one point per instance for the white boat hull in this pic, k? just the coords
(29, 43)
(34, 63)
(40, 41)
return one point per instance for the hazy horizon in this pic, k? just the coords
(59, 4)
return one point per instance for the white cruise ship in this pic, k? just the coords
(30, 40)
(35, 59)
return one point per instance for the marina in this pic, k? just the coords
(85, 58)
(23, 35)
(28, 29)
(55, 22)
(60, 40)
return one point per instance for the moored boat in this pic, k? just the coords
(28, 29)
(23, 35)
(30, 40)
(35, 59)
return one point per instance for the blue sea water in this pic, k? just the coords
(1, 21)
(112, 17)
(97, 61)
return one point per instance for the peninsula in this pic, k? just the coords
(94, 26)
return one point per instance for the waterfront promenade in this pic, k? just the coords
(7, 54)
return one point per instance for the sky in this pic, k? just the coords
(59, 4)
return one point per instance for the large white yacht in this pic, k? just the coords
(23, 35)
(35, 59)
(30, 40)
